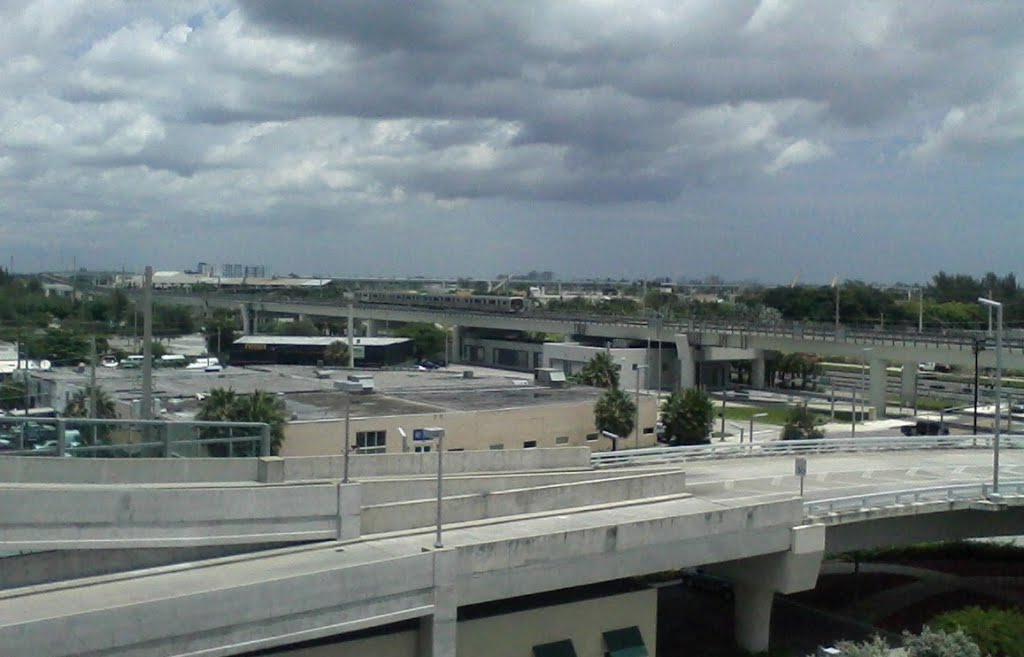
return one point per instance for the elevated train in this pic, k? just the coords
(481, 302)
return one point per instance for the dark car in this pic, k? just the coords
(925, 428)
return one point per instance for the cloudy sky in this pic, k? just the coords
(872, 139)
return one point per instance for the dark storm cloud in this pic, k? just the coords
(261, 113)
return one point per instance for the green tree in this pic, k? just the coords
(428, 340)
(929, 643)
(995, 631)
(78, 405)
(301, 327)
(221, 332)
(225, 405)
(337, 353)
(12, 394)
(600, 372)
(937, 643)
(614, 412)
(688, 417)
(264, 407)
(801, 424)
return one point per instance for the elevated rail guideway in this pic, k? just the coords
(741, 518)
(823, 339)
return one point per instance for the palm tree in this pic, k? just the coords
(600, 372)
(614, 413)
(688, 416)
(225, 405)
(78, 405)
(261, 406)
(216, 407)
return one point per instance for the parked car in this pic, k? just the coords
(925, 428)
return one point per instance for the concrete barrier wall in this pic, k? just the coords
(461, 508)
(386, 491)
(51, 469)
(63, 517)
(299, 468)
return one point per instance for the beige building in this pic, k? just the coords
(485, 409)
(480, 408)
(623, 623)
(533, 425)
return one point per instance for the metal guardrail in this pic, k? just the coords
(712, 451)
(957, 493)
(109, 438)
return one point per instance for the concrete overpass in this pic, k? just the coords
(524, 528)
(695, 341)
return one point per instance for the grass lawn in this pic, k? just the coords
(776, 414)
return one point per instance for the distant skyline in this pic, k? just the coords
(879, 141)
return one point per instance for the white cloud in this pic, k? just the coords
(797, 153)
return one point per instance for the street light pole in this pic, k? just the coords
(977, 348)
(637, 367)
(863, 391)
(348, 387)
(437, 434)
(999, 387)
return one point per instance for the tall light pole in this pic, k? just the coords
(863, 390)
(999, 387)
(349, 388)
(437, 435)
(637, 367)
(835, 284)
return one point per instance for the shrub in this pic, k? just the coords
(998, 632)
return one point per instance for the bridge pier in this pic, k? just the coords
(756, 581)
(456, 355)
(687, 363)
(877, 389)
(246, 319)
(438, 632)
(757, 372)
(908, 384)
(371, 328)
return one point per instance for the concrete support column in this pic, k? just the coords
(371, 328)
(756, 580)
(438, 632)
(753, 609)
(908, 384)
(456, 354)
(877, 389)
(246, 319)
(757, 372)
(687, 363)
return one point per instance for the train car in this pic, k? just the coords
(486, 303)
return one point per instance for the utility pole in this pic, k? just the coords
(92, 377)
(147, 345)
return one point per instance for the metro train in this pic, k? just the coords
(486, 303)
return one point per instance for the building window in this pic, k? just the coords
(529, 443)
(627, 642)
(371, 442)
(562, 440)
(648, 430)
(498, 446)
(591, 437)
(422, 448)
(457, 449)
